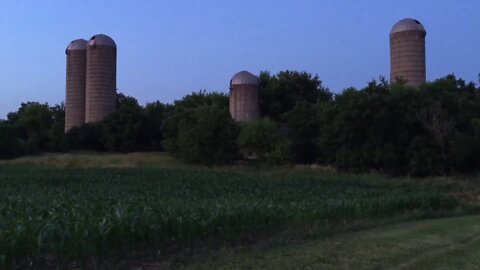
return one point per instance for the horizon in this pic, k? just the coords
(167, 49)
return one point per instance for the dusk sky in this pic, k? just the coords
(167, 49)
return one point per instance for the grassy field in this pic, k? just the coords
(106, 210)
(451, 243)
(94, 160)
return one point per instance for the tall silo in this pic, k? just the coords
(101, 78)
(76, 83)
(407, 52)
(244, 97)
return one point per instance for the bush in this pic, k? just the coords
(199, 129)
(9, 145)
(87, 137)
(262, 139)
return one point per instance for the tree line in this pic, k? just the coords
(395, 129)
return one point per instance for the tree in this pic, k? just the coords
(86, 137)
(56, 132)
(303, 127)
(199, 129)
(207, 136)
(262, 139)
(155, 114)
(367, 129)
(124, 129)
(280, 93)
(9, 145)
(395, 129)
(440, 127)
(33, 122)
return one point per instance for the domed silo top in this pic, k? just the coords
(102, 40)
(244, 78)
(408, 25)
(78, 44)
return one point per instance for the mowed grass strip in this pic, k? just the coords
(97, 160)
(71, 215)
(448, 243)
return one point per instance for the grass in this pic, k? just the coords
(97, 160)
(450, 243)
(89, 210)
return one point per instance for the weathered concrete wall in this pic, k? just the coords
(407, 57)
(76, 86)
(244, 102)
(101, 82)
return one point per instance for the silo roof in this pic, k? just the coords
(244, 77)
(78, 44)
(407, 24)
(102, 40)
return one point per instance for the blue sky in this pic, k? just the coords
(167, 49)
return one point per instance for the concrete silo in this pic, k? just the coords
(101, 78)
(407, 52)
(76, 83)
(244, 97)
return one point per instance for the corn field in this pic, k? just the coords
(65, 215)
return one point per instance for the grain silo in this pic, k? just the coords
(76, 83)
(244, 97)
(101, 78)
(407, 52)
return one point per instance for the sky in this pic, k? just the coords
(169, 48)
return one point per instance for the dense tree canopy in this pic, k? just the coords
(402, 130)
(262, 140)
(280, 93)
(434, 130)
(200, 129)
(32, 129)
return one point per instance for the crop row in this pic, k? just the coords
(72, 214)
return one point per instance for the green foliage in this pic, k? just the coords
(124, 129)
(33, 121)
(9, 145)
(182, 108)
(200, 130)
(402, 130)
(56, 132)
(36, 127)
(52, 217)
(154, 114)
(87, 137)
(131, 128)
(394, 129)
(303, 128)
(262, 139)
(280, 154)
(207, 136)
(357, 126)
(280, 93)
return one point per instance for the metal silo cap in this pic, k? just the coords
(244, 77)
(102, 40)
(78, 44)
(407, 24)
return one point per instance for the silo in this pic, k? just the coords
(407, 52)
(244, 97)
(76, 82)
(101, 78)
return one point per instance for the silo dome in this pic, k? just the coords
(244, 97)
(407, 53)
(102, 40)
(78, 44)
(407, 24)
(244, 78)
